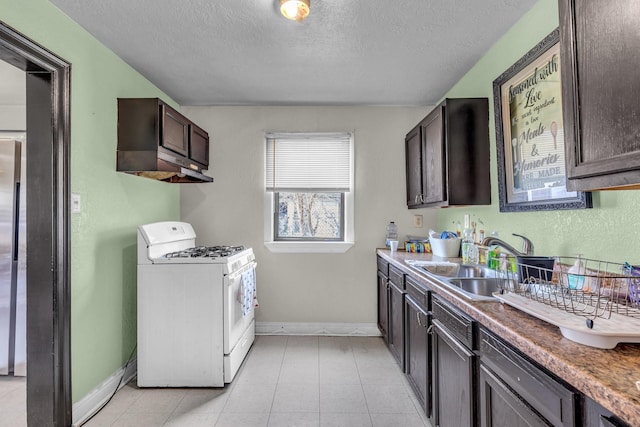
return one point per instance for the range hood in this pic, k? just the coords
(161, 166)
(157, 142)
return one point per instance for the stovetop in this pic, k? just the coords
(206, 252)
(230, 257)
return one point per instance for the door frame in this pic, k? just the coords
(48, 228)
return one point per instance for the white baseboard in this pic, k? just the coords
(329, 329)
(93, 401)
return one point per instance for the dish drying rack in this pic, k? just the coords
(599, 307)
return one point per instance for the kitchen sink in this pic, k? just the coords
(451, 269)
(472, 271)
(437, 268)
(472, 281)
(481, 286)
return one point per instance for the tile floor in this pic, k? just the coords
(13, 401)
(285, 381)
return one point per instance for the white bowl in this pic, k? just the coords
(446, 248)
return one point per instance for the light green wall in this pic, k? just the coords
(608, 231)
(103, 239)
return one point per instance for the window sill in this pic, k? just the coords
(309, 247)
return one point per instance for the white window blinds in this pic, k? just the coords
(308, 162)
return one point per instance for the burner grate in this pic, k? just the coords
(206, 252)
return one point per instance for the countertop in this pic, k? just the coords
(609, 377)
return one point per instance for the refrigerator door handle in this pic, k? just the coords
(16, 221)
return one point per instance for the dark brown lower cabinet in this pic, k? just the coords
(501, 407)
(453, 380)
(507, 375)
(418, 351)
(595, 415)
(464, 375)
(383, 305)
(396, 323)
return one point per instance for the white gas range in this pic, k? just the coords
(195, 308)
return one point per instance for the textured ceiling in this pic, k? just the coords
(347, 52)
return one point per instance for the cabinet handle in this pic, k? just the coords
(430, 330)
(418, 318)
(607, 422)
(422, 198)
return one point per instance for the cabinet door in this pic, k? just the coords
(608, 422)
(501, 407)
(434, 162)
(453, 380)
(175, 130)
(396, 323)
(600, 41)
(548, 397)
(418, 354)
(594, 415)
(383, 306)
(413, 158)
(198, 145)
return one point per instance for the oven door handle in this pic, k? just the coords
(242, 270)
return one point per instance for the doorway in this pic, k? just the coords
(47, 219)
(13, 323)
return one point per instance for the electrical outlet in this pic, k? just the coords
(417, 221)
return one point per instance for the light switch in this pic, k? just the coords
(75, 203)
(417, 221)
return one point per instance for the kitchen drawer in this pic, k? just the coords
(383, 266)
(396, 276)
(548, 397)
(458, 324)
(419, 293)
(594, 415)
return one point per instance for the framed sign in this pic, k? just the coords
(530, 134)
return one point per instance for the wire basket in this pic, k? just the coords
(599, 291)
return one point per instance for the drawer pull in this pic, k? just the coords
(607, 422)
(418, 319)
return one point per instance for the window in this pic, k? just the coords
(309, 197)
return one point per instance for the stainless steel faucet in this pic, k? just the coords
(527, 245)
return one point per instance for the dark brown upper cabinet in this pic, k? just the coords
(447, 156)
(175, 130)
(199, 145)
(156, 141)
(599, 58)
(413, 155)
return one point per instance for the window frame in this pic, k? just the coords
(305, 245)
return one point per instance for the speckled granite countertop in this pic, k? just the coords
(609, 377)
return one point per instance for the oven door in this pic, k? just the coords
(235, 321)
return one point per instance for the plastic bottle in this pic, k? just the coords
(575, 274)
(493, 258)
(467, 247)
(493, 254)
(392, 232)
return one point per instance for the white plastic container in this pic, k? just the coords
(446, 248)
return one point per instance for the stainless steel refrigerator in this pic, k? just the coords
(13, 261)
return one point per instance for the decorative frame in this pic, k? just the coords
(528, 113)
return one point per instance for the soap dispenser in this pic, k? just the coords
(576, 274)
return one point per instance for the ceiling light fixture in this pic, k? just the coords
(296, 10)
